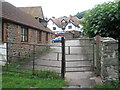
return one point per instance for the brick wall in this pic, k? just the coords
(12, 33)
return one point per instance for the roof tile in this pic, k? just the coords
(14, 14)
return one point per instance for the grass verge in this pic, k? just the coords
(25, 79)
(17, 80)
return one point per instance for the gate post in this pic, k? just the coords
(63, 59)
(7, 48)
(98, 63)
(33, 69)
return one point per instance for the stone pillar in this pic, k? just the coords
(109, 59)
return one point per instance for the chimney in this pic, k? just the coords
(70, 16)
(53, 17)
(46, 19)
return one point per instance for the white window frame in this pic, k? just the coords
(24, 34)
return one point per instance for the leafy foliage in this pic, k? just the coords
(109, 85)
(103, 19)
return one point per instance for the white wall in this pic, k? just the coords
(51, 25)
(73, 27)
(3, 54)
(2, 48)
(81, 28)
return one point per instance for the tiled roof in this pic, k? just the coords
(58, 21)
(34, 11)
(14, 14)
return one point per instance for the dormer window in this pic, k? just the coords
(43, 22)
(63, 22)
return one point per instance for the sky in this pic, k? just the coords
(58, 8)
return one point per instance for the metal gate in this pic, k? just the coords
(69, 57)
(78, 58)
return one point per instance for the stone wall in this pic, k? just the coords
(17, 48)
(109, 59)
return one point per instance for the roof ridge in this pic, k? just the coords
(30, 7)
(14, 14)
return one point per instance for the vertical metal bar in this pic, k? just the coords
(33, 60)
(93, 58)
(63, 59)
(119, 43)
(57, 56)
(7, 55)
(18, 55)
(119, 59)
(68, 49)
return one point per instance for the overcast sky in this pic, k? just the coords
(58, 8)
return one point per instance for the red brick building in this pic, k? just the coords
(20, 27)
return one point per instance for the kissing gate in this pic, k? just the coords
(83, 56)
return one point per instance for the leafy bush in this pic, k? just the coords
(103, 19)
(115, 85)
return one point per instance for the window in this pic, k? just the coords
(24, 34)
(69, 27)
(64, 22)
(39, 35)
(54, 28)
(46, 36)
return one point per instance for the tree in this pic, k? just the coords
(103, 20)
(80, 14)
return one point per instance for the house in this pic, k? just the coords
(21, 30)
(66, 25)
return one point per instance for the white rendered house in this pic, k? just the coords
(53, 26)
(64, 24)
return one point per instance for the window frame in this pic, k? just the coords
(54, 28)
(69, 27)
(24, 34)
(39, 34)
(47, 36)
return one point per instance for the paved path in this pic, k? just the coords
(48, 59)
(80, 79)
